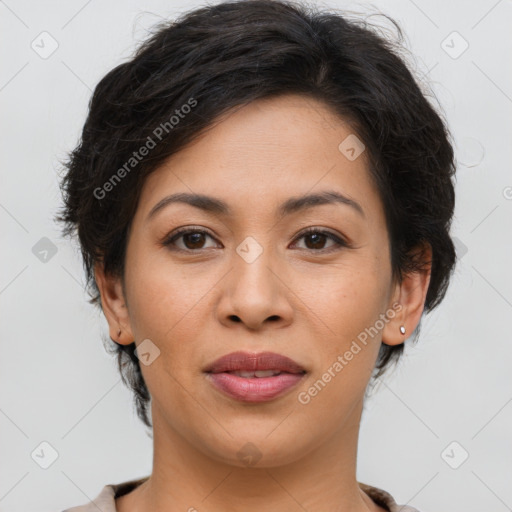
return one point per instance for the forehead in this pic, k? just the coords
(265, 152)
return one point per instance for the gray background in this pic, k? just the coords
(57, 383)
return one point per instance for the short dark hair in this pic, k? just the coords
(219, 57)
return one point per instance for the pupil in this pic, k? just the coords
(194, 240)
(318, 241)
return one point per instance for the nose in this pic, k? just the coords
(255, 294)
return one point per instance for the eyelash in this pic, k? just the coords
(168, 241)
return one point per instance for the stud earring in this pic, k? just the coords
(402, 329)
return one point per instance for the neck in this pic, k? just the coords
(185, 478)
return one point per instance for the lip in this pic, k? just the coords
(256, 389)
(247, 361)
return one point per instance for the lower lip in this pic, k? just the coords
(257, 389)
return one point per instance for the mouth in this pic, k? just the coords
(250, 377)
(255, 364)
(256, 374)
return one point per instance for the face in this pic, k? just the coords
(311, 282)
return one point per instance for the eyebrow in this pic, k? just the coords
(291, 205)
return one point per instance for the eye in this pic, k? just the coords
(315, 240)
(193, 239)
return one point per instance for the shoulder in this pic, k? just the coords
(105, 501)
(385, 500)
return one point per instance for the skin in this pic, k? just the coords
(302, 297)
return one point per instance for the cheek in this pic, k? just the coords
(165, 308)
(162, 296)
(169, 304)
(347, 299)
(347, 345)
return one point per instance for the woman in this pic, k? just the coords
(263, 198)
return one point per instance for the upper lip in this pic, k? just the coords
(246, 361)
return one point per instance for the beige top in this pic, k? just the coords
(105, 500)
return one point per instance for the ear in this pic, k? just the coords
(113, 303)
(410, 294)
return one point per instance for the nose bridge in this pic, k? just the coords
(253, 292)
(252, 263)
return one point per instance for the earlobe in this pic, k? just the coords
(410, 294)
(114, 306)
(396, 330)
